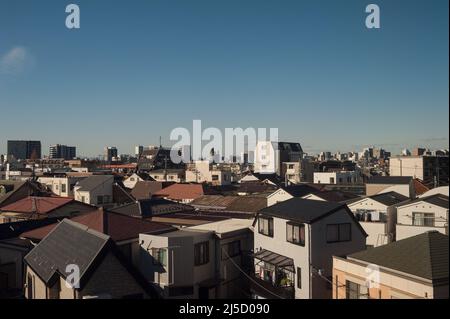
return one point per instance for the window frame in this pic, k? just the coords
(269, 223)
(339, 240)
(300, 226)
(199, 258)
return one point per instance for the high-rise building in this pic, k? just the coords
(21, 150)
(138, 150)
(110, 153)
(62, 151)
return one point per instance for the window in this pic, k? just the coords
(331, 180)
(339, 233)
(159, 256)
(265, 226)
(99, 199)
(63, 188)
(231, 249)
(132, 179)
(423, 219)
(299, 278)
(295, 233)
(291, 166)
(355, 291)
(201, 253)
(215, 177)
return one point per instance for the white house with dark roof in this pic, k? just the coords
(372, 213)
(294, 242)
(421, 215)
(412, 268)
(95, 190)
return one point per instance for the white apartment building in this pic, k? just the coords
(430, 169)
(337, 178)
(372, 213)
(198, 262)
(422, 215)
(269, 156)
(294, 242)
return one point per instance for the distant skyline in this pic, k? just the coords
(138, 69)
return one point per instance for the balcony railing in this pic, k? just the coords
(268, 290)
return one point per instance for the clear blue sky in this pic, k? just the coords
(137, 69)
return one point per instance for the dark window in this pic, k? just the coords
(231, 249)
(201, 253)
(63, 188)
(295, 233)
(299, 278)
(215, 177)
(339, 233)
(100, 199)
(265, 226)
(331, 180)
(159, 256)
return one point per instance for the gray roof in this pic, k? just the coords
(436, 199)
(94, 181)
(394, 180)
(289, 146)
(68, 243)
(302, 210)
(424, 255)
(389, 198)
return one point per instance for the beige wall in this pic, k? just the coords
(391, 285)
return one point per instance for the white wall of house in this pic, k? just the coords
(102, 194)
(315, 254)
(61, 186)
(406, 228)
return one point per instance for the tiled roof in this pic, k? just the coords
(151, 207)
(419, 187)
(37, 205)
(424, 255)
(181, 191)
(335, 196)
(145, 189)
(68, 243)
(118, 226)
(92, 182)
(302, 210)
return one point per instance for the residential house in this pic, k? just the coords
(201, 262)
(422, 215)
(70, 249)
(412, 268)
(95, 190)
(205, 172)
(269, 156)
(42, 207)
(12, 191)
(60, 186)
(297, 172)
(146, 189)
(374, 215)
(294, 242)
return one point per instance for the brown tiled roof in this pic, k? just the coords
(118, 226)
(250, 204)
(419, 187)
(37, 205)
(145, 189)
(181, 191)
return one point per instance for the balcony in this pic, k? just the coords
(273, 276)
